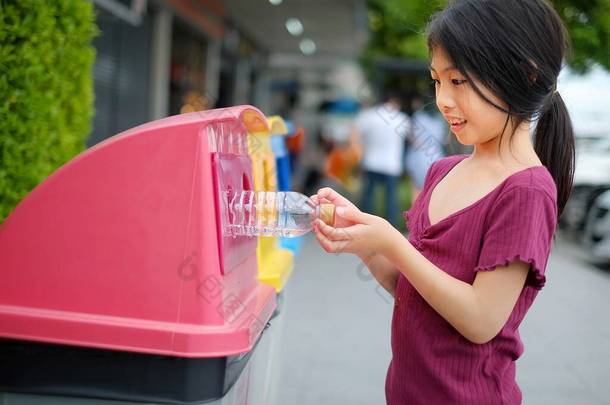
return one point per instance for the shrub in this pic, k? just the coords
(46, 90)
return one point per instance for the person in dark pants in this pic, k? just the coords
(389, 183)
(381, 132)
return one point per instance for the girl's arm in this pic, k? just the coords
(382, 269)
(478, 311)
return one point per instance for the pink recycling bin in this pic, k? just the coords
(116, 278)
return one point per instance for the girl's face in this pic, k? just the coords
(472, 119)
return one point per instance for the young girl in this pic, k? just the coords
(481, 230)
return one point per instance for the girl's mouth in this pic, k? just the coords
(457, 125)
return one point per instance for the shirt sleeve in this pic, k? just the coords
(520, 226)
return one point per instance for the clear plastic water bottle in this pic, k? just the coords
(271, 213)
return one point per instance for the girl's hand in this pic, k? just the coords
(354, 231)
(328, 195)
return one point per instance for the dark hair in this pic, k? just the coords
(515, 48)
(391, 94)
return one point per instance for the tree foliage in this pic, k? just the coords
(397, 30)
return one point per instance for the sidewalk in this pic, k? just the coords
(336, 343)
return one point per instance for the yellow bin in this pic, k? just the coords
(275, 263)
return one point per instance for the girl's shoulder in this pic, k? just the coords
(440, 166)
(537, 178)
(530, 194)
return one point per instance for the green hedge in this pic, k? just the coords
(46, 90)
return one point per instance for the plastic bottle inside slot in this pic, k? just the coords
(268, 213)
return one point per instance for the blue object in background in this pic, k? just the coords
(293, 244)
(290, 127)
(284, 183)
(282, 162)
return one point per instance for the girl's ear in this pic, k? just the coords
(531, 69)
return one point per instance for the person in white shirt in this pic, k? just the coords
(426, 142)
(381, 132)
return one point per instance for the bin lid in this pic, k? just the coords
(118, 249)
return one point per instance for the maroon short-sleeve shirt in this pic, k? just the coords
(431, 362)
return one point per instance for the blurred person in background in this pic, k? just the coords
(425, 142)
(380, 131)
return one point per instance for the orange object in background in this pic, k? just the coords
(341, 162)
(295, 142)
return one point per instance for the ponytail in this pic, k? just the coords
(554, 145)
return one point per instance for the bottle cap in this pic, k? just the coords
(327, 214)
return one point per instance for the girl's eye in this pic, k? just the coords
(457, 82)
(435, 82)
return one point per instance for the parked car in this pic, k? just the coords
(596, 235)
(591, 179)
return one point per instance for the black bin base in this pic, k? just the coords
(50, 369)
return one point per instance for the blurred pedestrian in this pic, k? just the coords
(425, 142)
(380, 131)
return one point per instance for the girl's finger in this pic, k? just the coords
(317, 200)
(322, 228)
(333, 234)
(326, 244)
(352, 214)
(342, 246)
(333, 197)
(332, 246)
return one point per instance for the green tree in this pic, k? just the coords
(588, 23)
(46, 89)
(397, 30)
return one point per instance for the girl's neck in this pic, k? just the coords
(510, 155)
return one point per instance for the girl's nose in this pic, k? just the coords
(444, 98)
